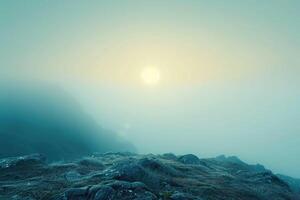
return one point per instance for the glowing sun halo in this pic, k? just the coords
(150, 76)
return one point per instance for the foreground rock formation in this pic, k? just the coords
(116, 176)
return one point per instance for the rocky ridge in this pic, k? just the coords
(115, 176)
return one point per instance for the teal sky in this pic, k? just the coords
(229, 70)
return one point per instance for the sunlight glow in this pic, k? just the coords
(150, 76)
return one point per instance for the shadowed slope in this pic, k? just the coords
(46, 120)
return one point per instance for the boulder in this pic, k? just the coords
(104, 193)
(189, 159)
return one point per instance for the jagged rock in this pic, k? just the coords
(293, 182)
(104, 193)
(139, 177)
(128, 170)
(23, 161)
(133, 171)
(234, 164)
(72, 176)
(157, 166)
(22, 167)
(132, 190)
(189, 159)
(91, 163)
(128, 185)
(169, 156)
(183, 196)
(117, 154)
(76, 193)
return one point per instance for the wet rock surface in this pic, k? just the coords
(116, 176)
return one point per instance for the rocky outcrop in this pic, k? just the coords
(189, 159)
(293, 182)
(117, 176)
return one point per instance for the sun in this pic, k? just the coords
(150, 76)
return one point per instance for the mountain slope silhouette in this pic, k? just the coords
(45, 119)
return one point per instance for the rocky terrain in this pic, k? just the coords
(116, 176)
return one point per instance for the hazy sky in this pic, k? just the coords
(229, 70)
